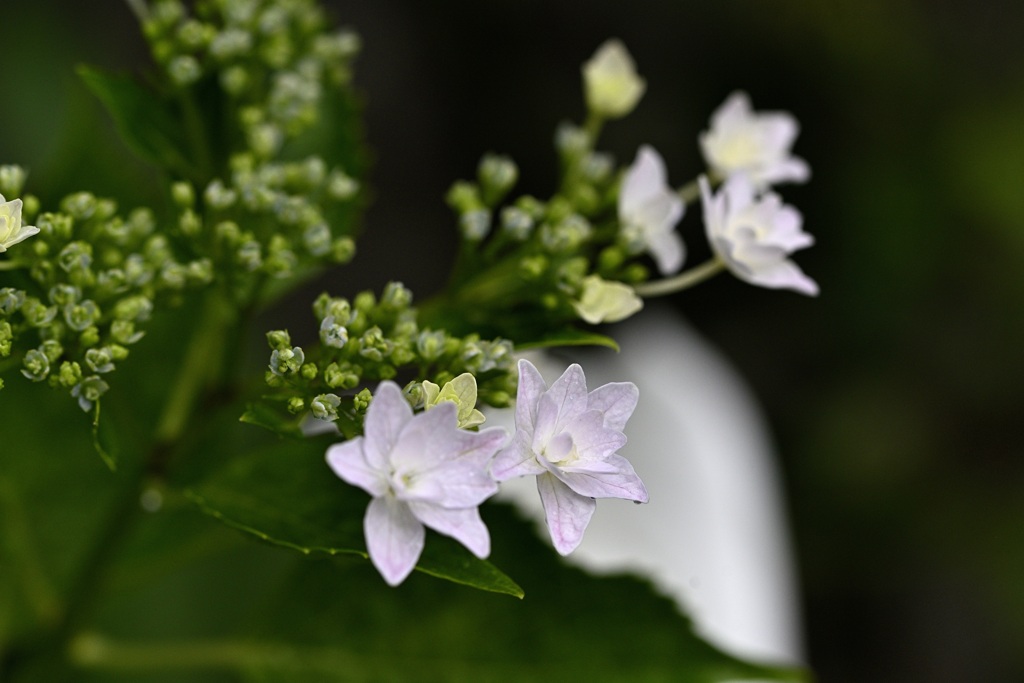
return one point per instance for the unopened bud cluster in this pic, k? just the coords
(95, 276)
(368, 339)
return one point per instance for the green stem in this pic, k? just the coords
(684, 280)
(200, 367)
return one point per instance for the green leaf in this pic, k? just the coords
(570, 337)
(264, 415)
(146, 123)
(287, 495)
(271, 616)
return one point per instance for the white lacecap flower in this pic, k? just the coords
(649, 210)
(754, 235)
(606, 301)
(569, 439)
(611, 83)
(741, 140)
(422, 470)
(12, 230)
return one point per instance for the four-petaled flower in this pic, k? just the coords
(649, 210)
(11, 229)
(754, 235)
(611, 84)
(743, 141)
(569, 439)
(421, 470)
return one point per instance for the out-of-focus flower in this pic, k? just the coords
(754, 235)
(744, 141)
(11, 229)
(606, 301)
(421, 470)
(649, 210)
(569, 439)
(611, 84)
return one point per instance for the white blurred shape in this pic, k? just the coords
(714, 535)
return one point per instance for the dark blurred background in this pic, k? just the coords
(895, 397)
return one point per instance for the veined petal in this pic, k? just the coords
(394, 538)
(567, 513)
(464, 525)
(615, 401)
(426, 440)
(348, 462)
(457, 484)
(515, 460)
(612, 478)
(531, 387)
(387, 415)
(569, 394)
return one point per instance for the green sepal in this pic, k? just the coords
(288, 496)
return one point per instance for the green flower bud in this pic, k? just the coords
(36, 313)
(89, 337)
(6, 338)
(361, 401)
(183, 194)
(475, 224)
(431, 344)
(100, 360)
(230, 43)
(234, 80)
(287, 361)
(517, 223)
(343, 250)
(532, 267)
(395, 296)
(70, 374)
(279, 339)
(88, 391)
(317, 239)
(341, 186)
(79, 316)
(464, 197)
(325, 407)
(35, 365)
(189, 223)
(308, 371)
(184, 70)
(12, 179)
(497, 175)
(75, 256)
(80, 205)
(11, 300)
(134, 308)
(123, 332)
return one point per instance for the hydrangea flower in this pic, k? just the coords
(604, 301)
(743, 141)
(649, 210)
(569, 439)
(610, 81)
(11, 229)
(421, 470)
(754, 235)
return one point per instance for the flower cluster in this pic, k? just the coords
(94, 278)
(369, 339)
(425, 469)
(281, 77)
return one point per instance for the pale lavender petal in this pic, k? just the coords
(546, 423)
(779, 129)
(394, 538)
(642, 182)
(426, 440)
(455, 484)
(569, 393)
(479, 447)
(387, 414)
(464, 525)
(566, 512)
(348, 462)
(612, 478)
(531, 388)
(785, 275)
(616, 401)
(515, 460)
(668, 252)
(733, 111)
(788, 170)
